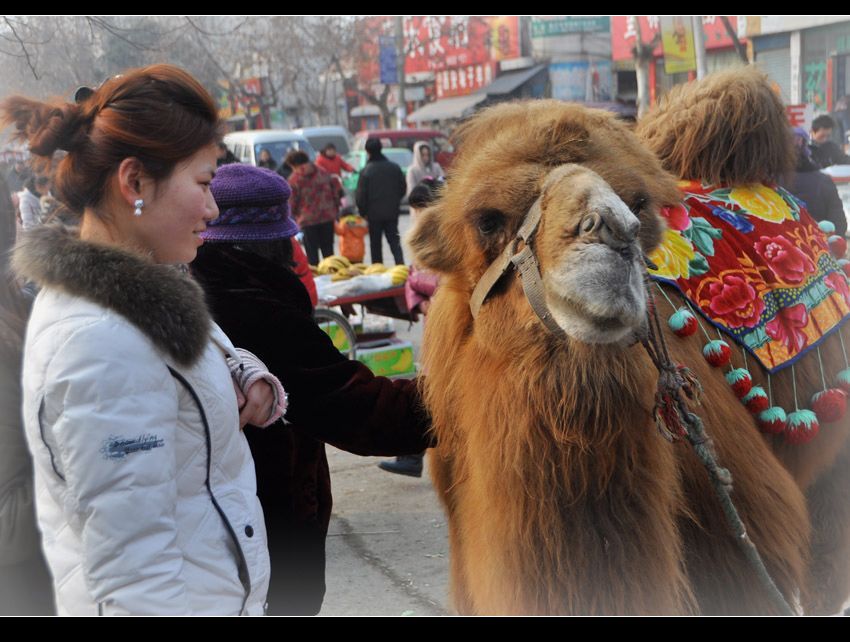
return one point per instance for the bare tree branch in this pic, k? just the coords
(23, 45)
(115, 31)
(210, 33)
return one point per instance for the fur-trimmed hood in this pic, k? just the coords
(165, 304)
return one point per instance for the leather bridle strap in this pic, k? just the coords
(526, 265)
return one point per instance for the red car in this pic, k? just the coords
(442, 148)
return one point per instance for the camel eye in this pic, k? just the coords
(638, 206)
(490, 221)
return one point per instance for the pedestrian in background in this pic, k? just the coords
(379, 192)
(314, 204)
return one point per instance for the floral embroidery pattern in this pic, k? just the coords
(787, 261)
(787, 327)
(762, 202)
(735, 301)
(755, 264)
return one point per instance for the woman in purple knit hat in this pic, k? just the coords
(246, 269)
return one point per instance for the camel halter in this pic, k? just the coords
(528, 268)
(676, 385)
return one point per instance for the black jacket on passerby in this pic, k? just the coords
(827, 154)
(820, 195)
(265, 308)
(380, 189)
(818, 192)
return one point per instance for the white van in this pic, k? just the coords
(246, 146)
(321, 136)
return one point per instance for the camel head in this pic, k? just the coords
(598, 192)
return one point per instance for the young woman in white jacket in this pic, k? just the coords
(145, 486)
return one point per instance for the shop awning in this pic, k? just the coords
(447, 108)
(511, 81)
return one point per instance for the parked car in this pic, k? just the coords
(246, 146)
(441, 146)
(321, 136)
(401, 156)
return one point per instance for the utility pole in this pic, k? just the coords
(643, 57)
(699, 47)
(401, 109)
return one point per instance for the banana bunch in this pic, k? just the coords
(399, 274)
(348, 273)
(332, 265)
(342, 269)
(375, 268)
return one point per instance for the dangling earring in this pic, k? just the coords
(139, 205)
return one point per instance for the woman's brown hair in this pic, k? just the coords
(730, 128)
(158, 114)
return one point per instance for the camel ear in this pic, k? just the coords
(431, 244)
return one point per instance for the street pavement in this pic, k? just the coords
(387, 547)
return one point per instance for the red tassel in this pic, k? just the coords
(717, 353)
(838, 246)
(773, 421)
(756, 400)
(830, 405)
(683, 323)
(740, 381)
(803, 426)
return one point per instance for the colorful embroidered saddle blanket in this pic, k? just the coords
(756, 266)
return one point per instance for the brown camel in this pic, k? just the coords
(731, 129)
(562, 497)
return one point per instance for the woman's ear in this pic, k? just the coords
(131, 179)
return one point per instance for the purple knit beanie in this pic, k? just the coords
(253, 205)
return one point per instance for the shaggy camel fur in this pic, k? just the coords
(732, 128)
(562, 498)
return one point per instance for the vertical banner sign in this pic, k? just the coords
(677, 40)
(389, 61)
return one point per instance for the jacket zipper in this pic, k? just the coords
(243, 562)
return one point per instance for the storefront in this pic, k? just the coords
(773, 56)
(579, 51)
(825, 69)
(719, 46)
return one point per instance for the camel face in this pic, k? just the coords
(589, 244)
(600, 193)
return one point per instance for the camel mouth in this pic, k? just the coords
(599, 322)
(596, 294)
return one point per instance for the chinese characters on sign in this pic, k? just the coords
(464, 80)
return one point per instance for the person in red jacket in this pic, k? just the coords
(332, 162)
(314, 204)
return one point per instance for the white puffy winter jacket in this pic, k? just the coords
(145, 487)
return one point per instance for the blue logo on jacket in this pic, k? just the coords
(117, 448)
